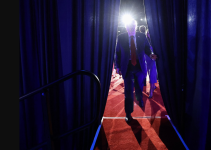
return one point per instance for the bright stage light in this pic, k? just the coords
(127, 19)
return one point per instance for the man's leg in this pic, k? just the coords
(153, 78)
(129, 85)
(144, 82)
(153, 73)
(139, 88)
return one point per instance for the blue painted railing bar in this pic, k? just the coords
(62, 79)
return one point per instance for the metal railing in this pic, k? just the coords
(52, 138)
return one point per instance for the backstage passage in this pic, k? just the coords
(150, 128)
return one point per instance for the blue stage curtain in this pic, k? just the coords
(58, 37)
(180, 34)
(198, 77)
(40, 63)
(164, 19)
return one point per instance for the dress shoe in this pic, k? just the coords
(151, 92)
(128, 118)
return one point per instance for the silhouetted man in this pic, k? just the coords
(130, 62)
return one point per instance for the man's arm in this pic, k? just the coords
(148, 50)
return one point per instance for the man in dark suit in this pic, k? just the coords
(130, 63)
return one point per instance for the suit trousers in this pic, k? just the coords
(151, 70)
(133, 72)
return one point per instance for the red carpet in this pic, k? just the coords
(149, 130)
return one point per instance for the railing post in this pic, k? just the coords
(51, 143)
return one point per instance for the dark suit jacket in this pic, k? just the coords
(123, 52)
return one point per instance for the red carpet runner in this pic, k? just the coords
(149, 130)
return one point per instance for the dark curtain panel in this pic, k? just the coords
(57, 38)
(40, 63)
(181, 36)
(198, 78)
(88, 31)
(165, 22)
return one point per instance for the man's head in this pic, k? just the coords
(131, 27)
(142, 29)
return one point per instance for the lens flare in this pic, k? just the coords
(127, 19)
